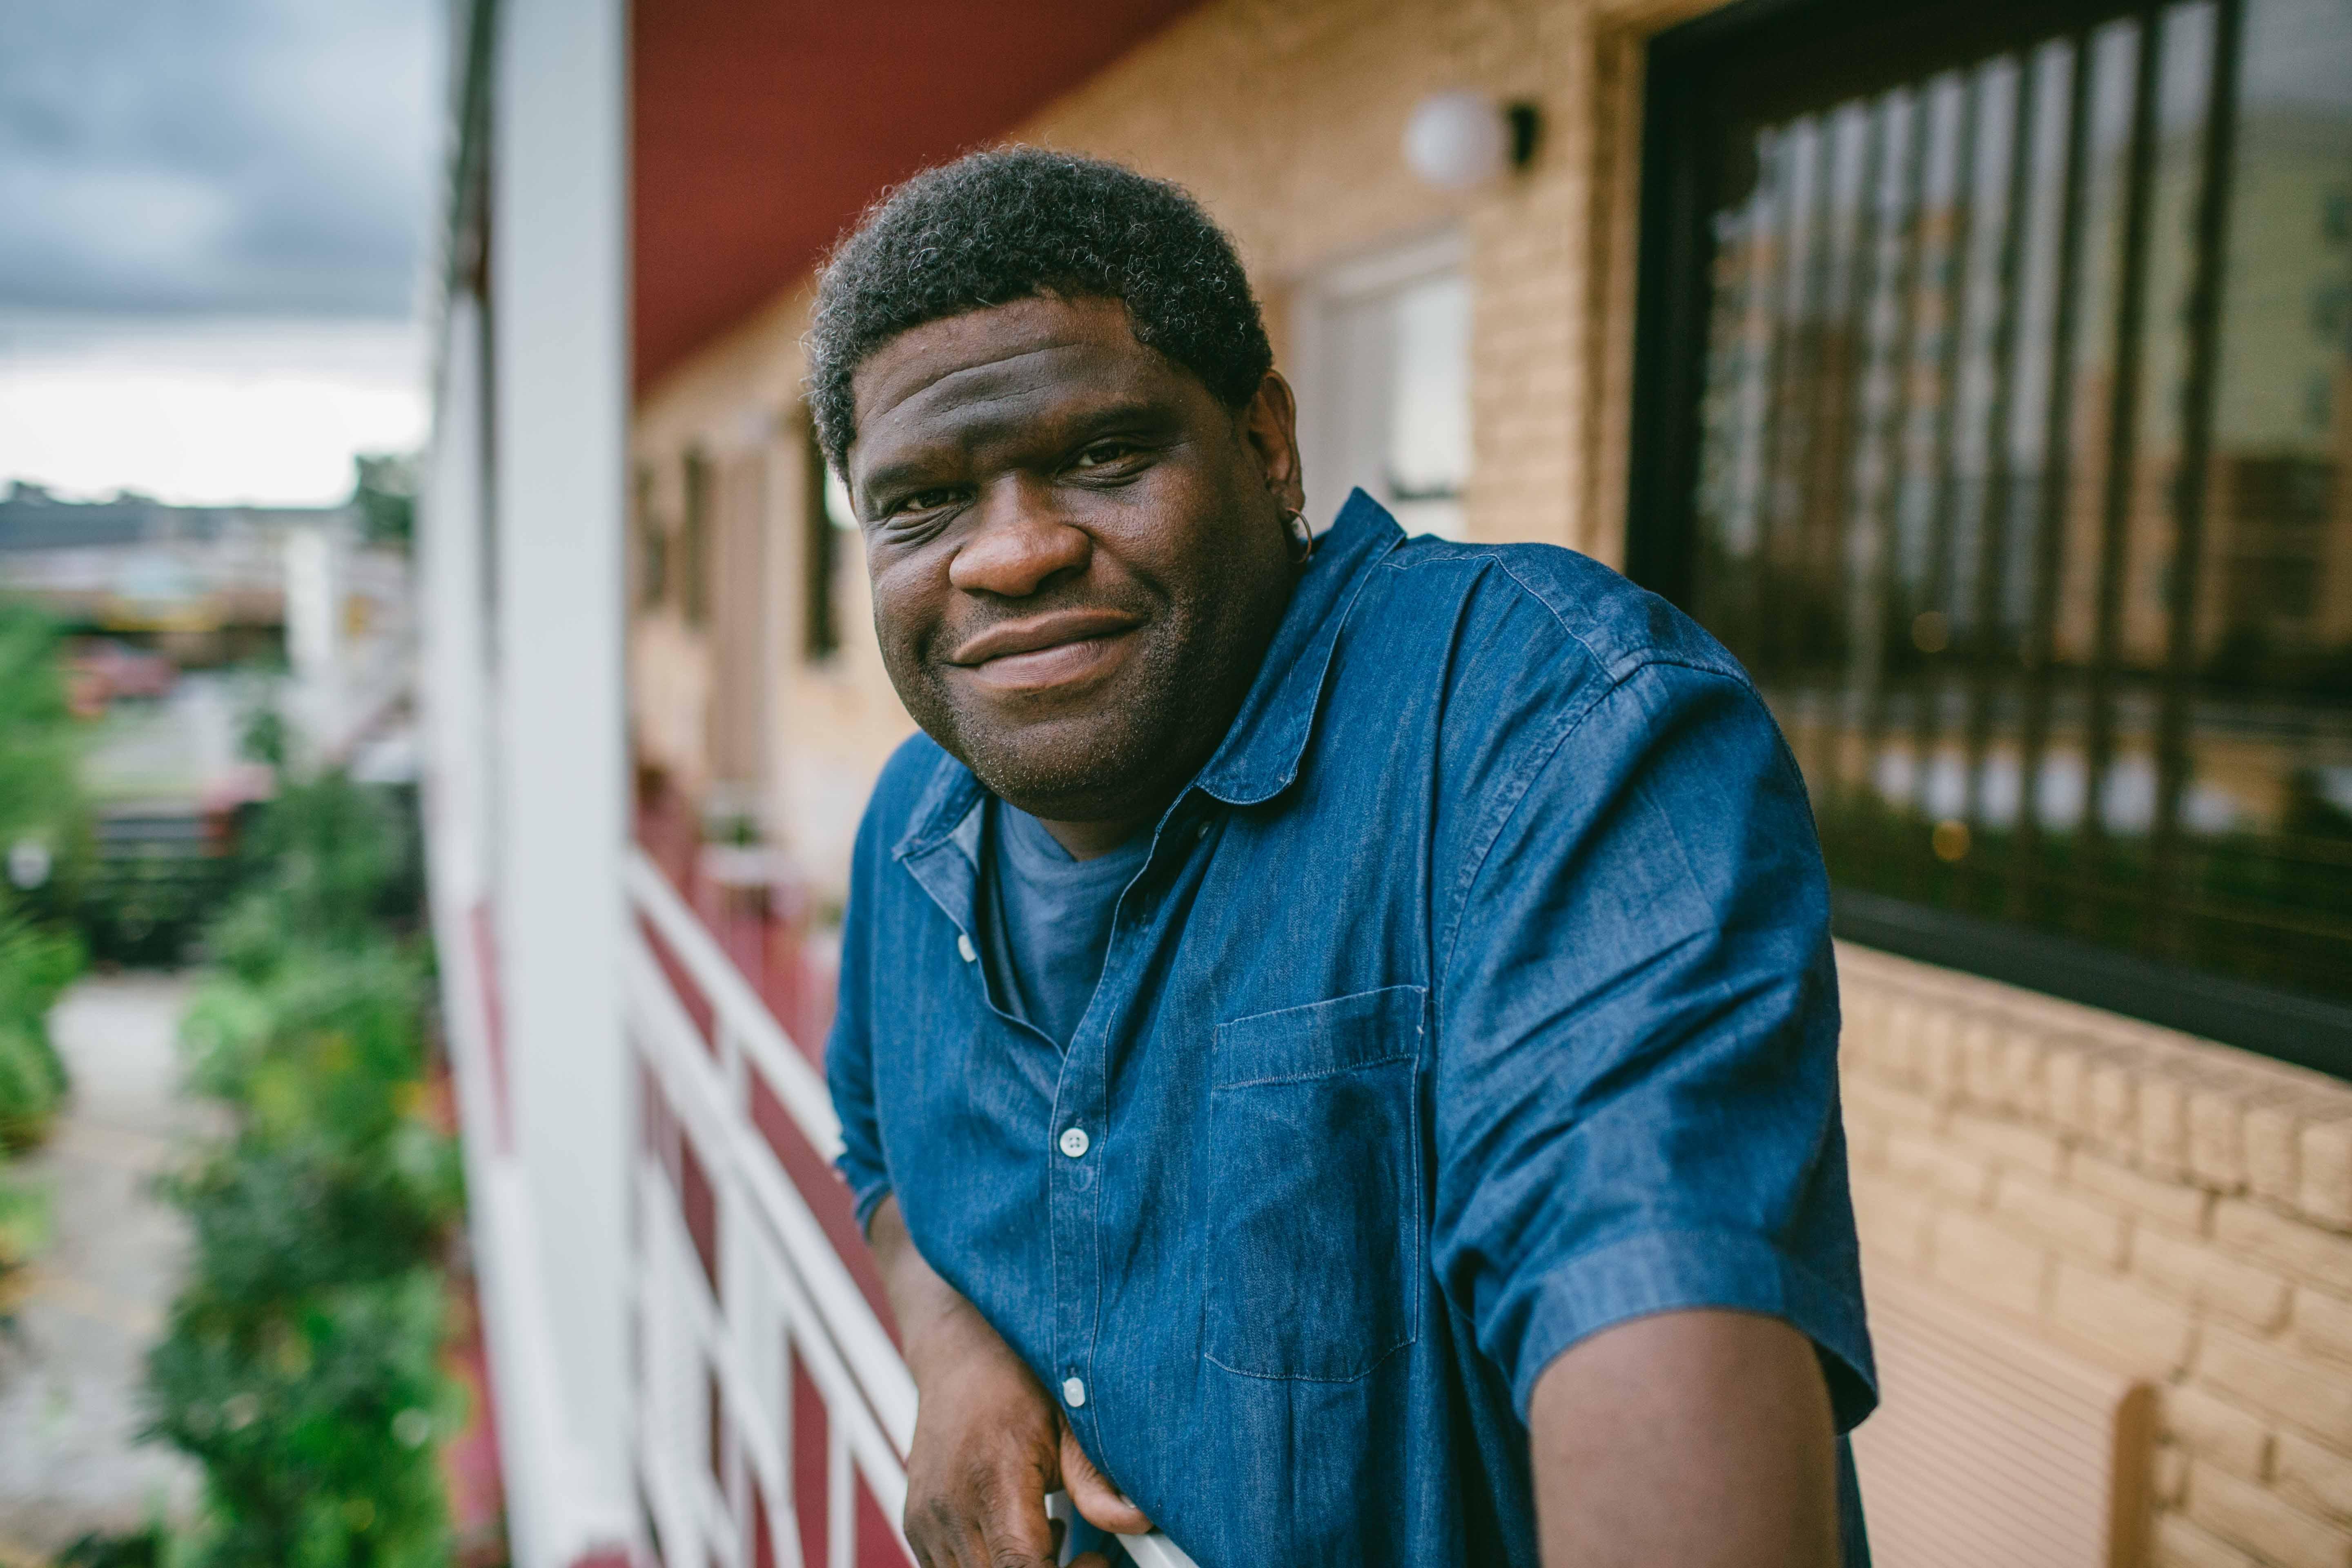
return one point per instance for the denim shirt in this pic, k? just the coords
(1477, 995)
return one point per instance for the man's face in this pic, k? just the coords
(1077, 552)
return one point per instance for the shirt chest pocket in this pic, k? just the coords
(1315, 1191)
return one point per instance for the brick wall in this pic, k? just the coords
(2170, 1207)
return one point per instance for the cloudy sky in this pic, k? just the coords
(213, 215)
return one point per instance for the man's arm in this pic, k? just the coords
(1691, 1439)
(988, 1443)
(1641, 1189)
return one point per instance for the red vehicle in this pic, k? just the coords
(101, 669)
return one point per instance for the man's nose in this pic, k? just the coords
(1021, 545)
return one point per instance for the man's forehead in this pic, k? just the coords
(1005, 351)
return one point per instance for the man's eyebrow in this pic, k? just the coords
(892, 474)
(984, 426)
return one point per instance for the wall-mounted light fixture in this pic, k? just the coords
(1458, 140)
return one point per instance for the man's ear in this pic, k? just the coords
(1268, 426)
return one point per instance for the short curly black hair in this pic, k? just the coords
(1017, 223)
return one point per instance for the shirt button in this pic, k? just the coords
(1075, 1142)
(964, 947)
(1074, 1392)
(1200, 831)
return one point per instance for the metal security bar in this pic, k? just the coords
(774, 1412)
(1960, 420)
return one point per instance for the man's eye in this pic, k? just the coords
(921, 500)
(1105, 454)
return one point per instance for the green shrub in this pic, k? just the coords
(36, 966)
(301, 1366)
(139, 1549)
(40, 789)
(335, 869)
(23, 1232)
(316, 1424)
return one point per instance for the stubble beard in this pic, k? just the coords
(1130, 745)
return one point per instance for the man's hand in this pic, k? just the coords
(1693, 1439)
(989, 1442)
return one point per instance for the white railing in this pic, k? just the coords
(786, 1309)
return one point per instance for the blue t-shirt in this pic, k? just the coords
(1049, 917)
(1474, 996)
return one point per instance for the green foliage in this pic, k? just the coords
(332, 1177)
(301, 1366)
(263, 736)
(384, 489)
(39, 746)
(315, 1424)
(41, 750)
(140, 1549)
(336, 864)
(40, 804)
(23, 1233)
(36, 965)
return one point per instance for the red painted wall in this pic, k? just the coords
(760, 130)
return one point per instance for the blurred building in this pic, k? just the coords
(202, 584)
(1981, 373)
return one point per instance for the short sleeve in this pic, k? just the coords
(1635, 1103)
(849, 1048)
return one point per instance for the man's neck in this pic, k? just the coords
(1084, 840)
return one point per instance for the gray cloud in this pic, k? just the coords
(273, 156)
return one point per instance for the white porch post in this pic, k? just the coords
(559, 317)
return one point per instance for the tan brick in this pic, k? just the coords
(2265, 1522)
(2323, 1324)
(2300, 1251)
(2171, 1474)
(1887, 1106)
(1862, 1038)
(1897, 1051)
(2163, 1124)
(2010, 1143)
(2216, 1430)
(1929, 1161)
(2271, 1131)
(2049, 1212)
(1975, 1256)
(2181, 1544)
(2295, 1388)
(1938, 1048)
(2324, 1190)
(2175, 1204)
(1892, 1219)
(2115, 1105)
(2313, 1478)
(2196, 1270)
(2024, 1090)
(2135, 1327)
(2216, 1151)
(1979, 1036)
(2066, 1085)
(1865, 1146)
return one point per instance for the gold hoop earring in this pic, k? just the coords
(1302, 537)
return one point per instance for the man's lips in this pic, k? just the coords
(1043, 650)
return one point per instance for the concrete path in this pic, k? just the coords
(69, 1381)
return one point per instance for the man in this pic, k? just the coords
(1337, 1038)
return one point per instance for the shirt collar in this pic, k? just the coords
(1258, 758)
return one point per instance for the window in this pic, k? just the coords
(1971, 412)
(694, 542)
(653, 544)
(1385, 385)
(826, 516)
